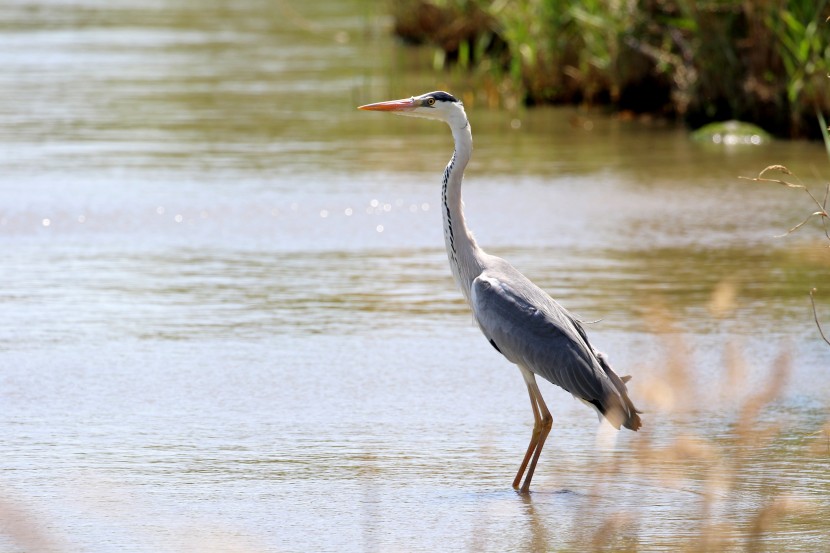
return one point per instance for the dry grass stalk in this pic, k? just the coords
(23, 529)
(725, 471)
(821, 213)
(815, 316)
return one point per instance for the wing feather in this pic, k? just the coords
(533, 331)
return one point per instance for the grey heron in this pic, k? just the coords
(520, 320)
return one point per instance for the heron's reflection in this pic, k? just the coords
(537, 536)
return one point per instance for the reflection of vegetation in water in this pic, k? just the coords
(762, 62)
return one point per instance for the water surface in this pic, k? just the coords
(227, 322)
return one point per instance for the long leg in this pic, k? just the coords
(534, 438)
(546, 424)
(542, 422)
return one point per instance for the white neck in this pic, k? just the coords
(462, 250)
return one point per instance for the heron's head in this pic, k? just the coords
(441, 106)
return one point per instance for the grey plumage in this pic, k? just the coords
(532, 330)
(518, 318)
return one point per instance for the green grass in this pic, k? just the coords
(765, 63)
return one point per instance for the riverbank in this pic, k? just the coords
(765, 63)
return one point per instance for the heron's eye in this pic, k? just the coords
(430, 101)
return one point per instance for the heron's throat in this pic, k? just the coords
(462, 250)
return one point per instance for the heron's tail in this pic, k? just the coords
(632, 422)
(626, 414)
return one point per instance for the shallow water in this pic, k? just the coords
(227, 323)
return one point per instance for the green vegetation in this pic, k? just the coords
(731, 132)
(762, 62)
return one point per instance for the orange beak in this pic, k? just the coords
(392, 105)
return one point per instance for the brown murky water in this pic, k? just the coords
(227, 323)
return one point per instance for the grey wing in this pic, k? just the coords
(539, 335)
